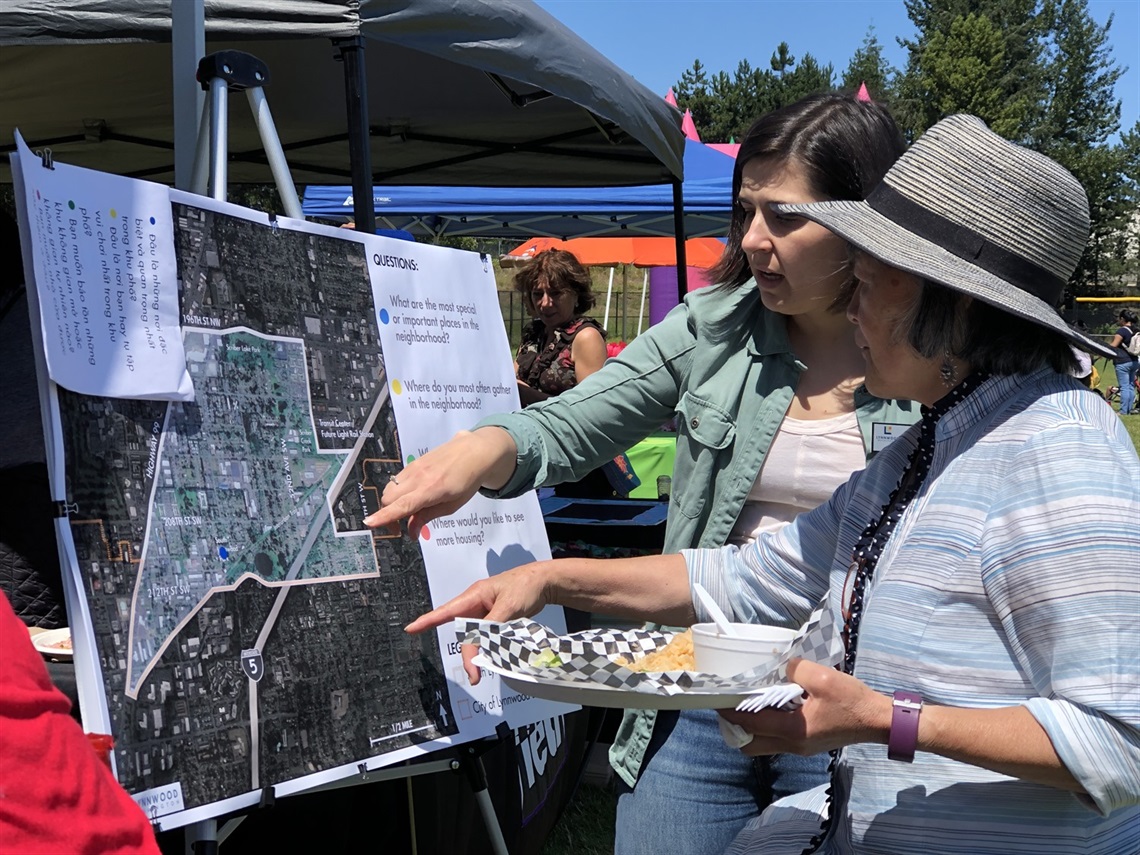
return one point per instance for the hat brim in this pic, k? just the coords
(882, 238)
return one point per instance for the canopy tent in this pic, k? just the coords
(563, 212)
(609, 251)
(456, 91)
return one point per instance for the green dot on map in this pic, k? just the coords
(71, 205)
(411, 457)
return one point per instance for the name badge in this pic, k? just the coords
(883, 434)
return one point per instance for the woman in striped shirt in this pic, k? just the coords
(983, 574)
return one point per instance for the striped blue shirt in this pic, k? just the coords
(1012, 578)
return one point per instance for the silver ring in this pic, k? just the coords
(394, 481)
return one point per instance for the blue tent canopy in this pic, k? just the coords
(562, 212)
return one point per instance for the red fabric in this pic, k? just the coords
(56, 796)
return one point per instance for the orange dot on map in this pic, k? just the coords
(425, 533)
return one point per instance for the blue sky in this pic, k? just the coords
(656, 40)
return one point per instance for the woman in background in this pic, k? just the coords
(561, 347)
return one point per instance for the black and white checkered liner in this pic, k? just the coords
(588, 656)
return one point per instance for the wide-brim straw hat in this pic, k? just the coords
(970, 210)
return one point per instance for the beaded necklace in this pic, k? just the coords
(869, 547)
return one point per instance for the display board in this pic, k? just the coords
(227, 396)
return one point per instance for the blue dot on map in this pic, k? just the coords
(152, 221)
(383, 316)
(223, 553)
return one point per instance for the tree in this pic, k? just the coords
(724, 107)
(807, 78)
(979, 56)
(1081, 109)
(870, 67)
(1079, 116)
(1039, 72)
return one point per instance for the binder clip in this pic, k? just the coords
(64, 509)
(46, 158)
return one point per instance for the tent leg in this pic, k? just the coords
(609, 294)
(644, 288)
(359, 143)
(679, 232)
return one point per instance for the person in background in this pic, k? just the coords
(764, 380)
(561, 347)
(1125, 363)
(983, 590)
(56, 793)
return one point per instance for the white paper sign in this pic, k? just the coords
(104, 271)
(448, 364)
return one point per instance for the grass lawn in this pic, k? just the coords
(1108, 378)
(586, 826)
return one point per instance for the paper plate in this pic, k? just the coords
(600, 695)
(54, 642)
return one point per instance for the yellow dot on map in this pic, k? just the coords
(397, 388)
(114, 214)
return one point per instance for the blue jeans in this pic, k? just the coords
(1125, 378)
(695, 793)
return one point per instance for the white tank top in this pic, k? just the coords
(808, 460)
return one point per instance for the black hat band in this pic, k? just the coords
(966, 244)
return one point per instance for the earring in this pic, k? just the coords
(948, 371)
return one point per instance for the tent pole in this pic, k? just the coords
(679, 233)
(644, 288)
(187, 46)
(609, 294)
(359, 142)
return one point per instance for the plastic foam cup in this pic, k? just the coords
(753, 645)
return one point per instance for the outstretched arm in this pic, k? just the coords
(441, 481)
(653, 587)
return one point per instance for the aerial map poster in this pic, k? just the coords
(236, 627)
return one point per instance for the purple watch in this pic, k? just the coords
(906, 709)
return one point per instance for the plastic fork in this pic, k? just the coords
(787, 696)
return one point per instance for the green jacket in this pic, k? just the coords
(721, 364)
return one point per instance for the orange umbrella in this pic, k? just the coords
(638, 251)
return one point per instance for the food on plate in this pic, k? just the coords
(677, 655)
(546, 658)
(62, 644)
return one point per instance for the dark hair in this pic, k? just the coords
(844, 145)
(559, 269)
(1127, 315)
(943, 320)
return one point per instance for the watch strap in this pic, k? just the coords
(905, 710)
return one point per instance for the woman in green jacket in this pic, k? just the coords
(763, 362)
